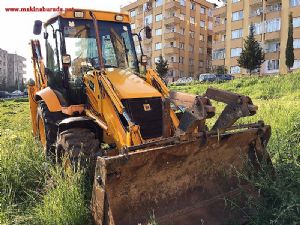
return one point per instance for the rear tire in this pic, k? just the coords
(47, 123)
(79, 146)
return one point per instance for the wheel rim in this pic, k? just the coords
(42, 133)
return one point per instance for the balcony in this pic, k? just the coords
(256, 12)
(255, 2)
(168, 50)
(172, 5)
(218, 44)
(219, 28)
(219, 11)
(273, 7)
(172, 36)
(171, 19)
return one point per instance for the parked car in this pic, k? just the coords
(17, 93)
(224, 77)
(184, 80)
(207, 77)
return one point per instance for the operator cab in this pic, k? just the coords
(71, 49)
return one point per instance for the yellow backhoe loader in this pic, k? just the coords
(154, 152)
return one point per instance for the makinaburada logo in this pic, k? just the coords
(38, 9)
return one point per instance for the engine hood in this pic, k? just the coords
(128, 85)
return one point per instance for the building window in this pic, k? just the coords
(202, 10)
(201, 63)
(273, 25)
(202, 23)
(180, 59)
(239, 15)
(173, 59)
(294, 3)
(193, 5)
(158, 3)
(209, 38)
(147, 6)
(182, 2)
(296, 43)
(181, 31)
(235, 69)
(210, 13)
(157, 46)
(132, 13)
(272, 46)
(191, 48)
(158, 32)
(173, 44)
(201, 37)
(218, 54)
(296, 64)
(236, 34)
(192, 20)
(181, 45)
(181, 16)
(148, 19)
(191, 61)
(132, 26)
(210, 25)
(258, 28)
(158, 17)
(235, 52)
(234, 1)
(273, 64)
(296, 22)
(192, 34)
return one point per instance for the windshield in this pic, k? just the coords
(80, 43)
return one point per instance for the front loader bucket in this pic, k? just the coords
(179, 184)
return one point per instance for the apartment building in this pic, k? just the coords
(270, 19)
(3, 64)
(15, 70)
(181, 33)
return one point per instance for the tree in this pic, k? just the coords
(289, 51)
(252, 55)
(162, 66)
(220, 70)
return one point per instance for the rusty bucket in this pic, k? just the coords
(183, 183)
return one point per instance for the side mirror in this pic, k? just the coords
(144, 60)
(66, 60)
(148, 32)
(37, 28)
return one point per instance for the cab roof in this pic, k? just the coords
(100, 15)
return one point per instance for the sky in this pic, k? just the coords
(16, 27)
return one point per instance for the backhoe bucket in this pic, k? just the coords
(183, 183)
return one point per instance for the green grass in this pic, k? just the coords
(32, 191)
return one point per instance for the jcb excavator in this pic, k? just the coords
(155, 154)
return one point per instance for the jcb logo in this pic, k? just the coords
(147, 107)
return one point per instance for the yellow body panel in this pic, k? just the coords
(50, 98)
(33, 108)
(100, 15)
(128, 85)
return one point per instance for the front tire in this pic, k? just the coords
(47, 125)
(79, 147)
